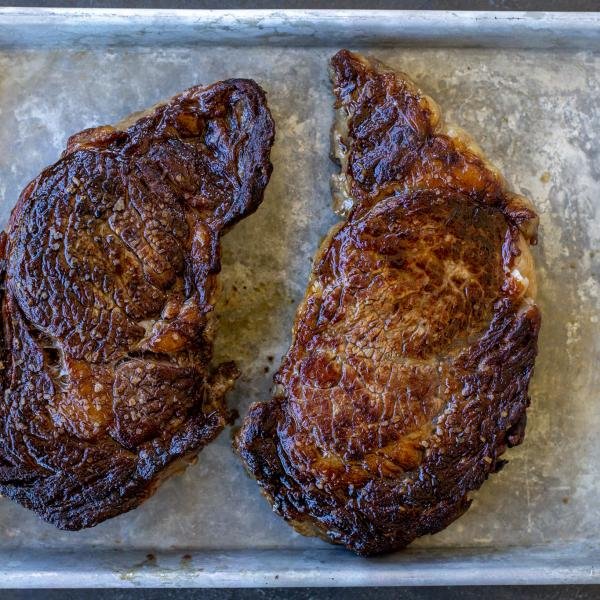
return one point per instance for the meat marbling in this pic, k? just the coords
(412, 350)
(109, 263)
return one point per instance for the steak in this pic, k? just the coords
(109, 263)
(413, 348)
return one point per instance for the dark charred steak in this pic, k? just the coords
(110, 260)
(412, 350)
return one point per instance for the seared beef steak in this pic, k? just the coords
(110, 265)
(412, 350)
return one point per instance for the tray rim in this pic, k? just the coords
(147, 26)
(327, 567)
(577, 562)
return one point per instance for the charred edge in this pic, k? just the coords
(261, 167)
(3, 357)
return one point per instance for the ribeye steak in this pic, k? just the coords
(110, 262)
(413, 348)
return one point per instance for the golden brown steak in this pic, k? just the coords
(111, 258)
(412, 350)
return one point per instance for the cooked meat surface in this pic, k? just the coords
(413, 348)
(109, 263)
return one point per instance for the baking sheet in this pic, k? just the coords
(534, 111)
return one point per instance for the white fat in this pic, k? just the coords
(519, 277)
(147, 324)
(522, 281)
(342, 200)
(136, 116)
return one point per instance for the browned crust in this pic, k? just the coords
(109, 265)
(413, 348)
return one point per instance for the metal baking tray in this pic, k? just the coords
(526, 85)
